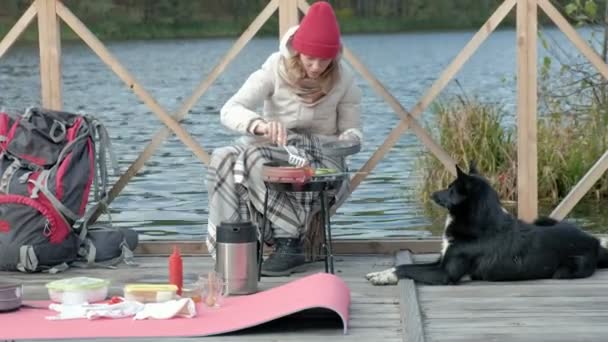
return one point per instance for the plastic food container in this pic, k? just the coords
(150, 293)
(78, 290)
(10, 296)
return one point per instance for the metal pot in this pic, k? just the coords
(10, 296)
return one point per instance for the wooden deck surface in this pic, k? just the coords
(374, 312)
(546, 310)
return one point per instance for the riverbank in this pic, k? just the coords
(223, 29)
(120, 29)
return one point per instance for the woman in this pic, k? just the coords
(308, 97)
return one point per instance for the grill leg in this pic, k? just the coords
(323, 220)
(261, 253)
(330, 247)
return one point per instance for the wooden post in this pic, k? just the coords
(582, 188)
(163, 133)
(527, 175)
(288, 15)
(17, 29)
(408, 120)
(576, 39)
(49, 39)
(108, 58)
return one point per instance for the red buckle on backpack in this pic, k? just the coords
(5, 227)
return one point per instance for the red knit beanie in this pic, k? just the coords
(318, 34)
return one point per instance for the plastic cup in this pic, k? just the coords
(213, 289)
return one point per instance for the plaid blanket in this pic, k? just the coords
(236, 188)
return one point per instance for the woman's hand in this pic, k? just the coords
(349, 136)
(273, 130)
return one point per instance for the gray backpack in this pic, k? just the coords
(50, 161)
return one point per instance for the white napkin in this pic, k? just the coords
(93, 311)
(174, 308)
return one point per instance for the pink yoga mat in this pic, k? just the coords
(320, 290)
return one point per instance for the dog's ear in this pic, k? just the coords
(473, 168)
(460, 173)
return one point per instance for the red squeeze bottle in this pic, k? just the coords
(176, 275)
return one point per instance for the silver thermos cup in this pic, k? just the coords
(236, 258)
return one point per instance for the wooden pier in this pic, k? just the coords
(546, 310)
(549, 310)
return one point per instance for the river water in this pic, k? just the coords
(168, 200)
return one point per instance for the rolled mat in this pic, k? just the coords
(317, 291)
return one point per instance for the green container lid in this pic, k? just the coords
(77, 284)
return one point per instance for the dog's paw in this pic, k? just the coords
(386, 277)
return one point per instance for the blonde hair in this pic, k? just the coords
(296, 72)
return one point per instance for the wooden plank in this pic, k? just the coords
(489, 26)
(49, 39)
(526, 289)
(519, 322)
(424, 250)
(527, 179)
(341, 246)
(497, 314)
(15, 32)
(202, 88)
(582, 187)
(425, 257)
(569, 301)
(410, 310)
(513, 336)
(288, 15)
(104, 54)
(572, 331)
(572, 310)
(410, 121)
(408, 118)
(482, 311)
(531, 112)
(574, 37)
(600, 278)
(514, 305)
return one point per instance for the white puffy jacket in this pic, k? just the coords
(337, 113)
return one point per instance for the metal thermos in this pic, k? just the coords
(236, 257)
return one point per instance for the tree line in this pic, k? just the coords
(197, 18)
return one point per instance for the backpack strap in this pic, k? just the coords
(101, 139)
(98, 133)
(40, 184)
(102, 149)
(126, 256)
(88, 251)
(57, 131)
(58, 268)
(6, 177)
(28, 113)
(28, 261)
(84, 226)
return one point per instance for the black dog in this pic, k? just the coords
(485, 242)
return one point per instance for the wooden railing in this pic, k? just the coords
(50, 11)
